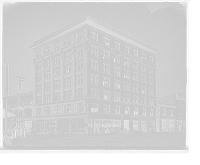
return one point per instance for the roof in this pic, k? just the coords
(91, 21)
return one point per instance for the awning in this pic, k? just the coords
(9, 114)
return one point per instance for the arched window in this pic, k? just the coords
(127, 110)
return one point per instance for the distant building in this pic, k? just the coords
(90, 78)
(21, 108)
(171, 113)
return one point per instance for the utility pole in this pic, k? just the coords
(6, 99)
(20, 81)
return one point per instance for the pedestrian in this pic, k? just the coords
(101, 129)
(24, 130)
(15, 132)
(20, 131)
(12, 132)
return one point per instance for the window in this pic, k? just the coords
(39, 77)
(38, 100)
(38, 111)
(80, 93)
(172, 113)
(106, 55)
(67, 108)
(135, 88)
(106, 68)
(117, 59)
(57, 109)
(68, 95)
(106, 81)
(68, 82)
(126, 98)
(47, 87)
(143, 67)
(94, 93)
(126, 49)
(116, 96)
(143, 100)
(94, 79)
(47, 64)
(47, 111)
(56, 97)
(47, 50)
(151, 101)
(57, 85)
(80, 79)
(135, 76)
(80, 66)
(164, 112)
(39, 53)
(117, 71)
(151, 59)
(135, 52)
(94, 107)
(135, 99)
(106, 108)
(47, 98)
(117, 109)
(127, 110)
(79, 36)
(67, 41)
(135, 111)
(143, 56)
(39, 88)
(135, 65)
(150, 91)
(126, 73)
(57, 72)
(144, 111)
(57, 60)
(126, 86)
(151, 112)
(106, 41)
(150, 70)
(143, 78)
(151, 80)
(57, 45)
(143, 90)
(94, 65)
(68, 69)
(94, 51)
(94, 36)
(79, 52)
(106, 95)
(68, 56)
(117, 46)
(117, 84)
(126, 62)
(47, 75)
(38, 66)
(79, 107)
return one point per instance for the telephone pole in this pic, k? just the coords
(19, 106)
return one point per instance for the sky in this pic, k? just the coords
(162, 25)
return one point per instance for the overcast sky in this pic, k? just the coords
(161, 25)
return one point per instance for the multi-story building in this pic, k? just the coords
(21, 108)
(90, 77)
(171, 113)
(166, 115)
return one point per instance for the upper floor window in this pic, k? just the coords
(39, 53)
(150, 70)
(56, 97)
(79, 66)
(94, 93)
(126, 49)
(79, 93)
(117, 71)
(94, 65)
(127, 110)
(144, 111)
(135, 111)
(135, 99)
(47, 64)
(79, 52)
(80, 79)
(135, 88)
(39, 111)
(106, 81)
(47, 111)
(126, 62)
(143, 67)
(57, 84)
(57, 72)
(126, 86)
(143, 89)
(47, 75)
(106, 95)
(117, 46)
(47, 98)
(106, 55)
(126, 98)
(68, 82)
(151, 59)
(164, 112)
(106, 68)
(143, 56)
(57, 109)
(39, 77)
(39, 66)
(68, 69)
(143, 100)
(79, 36)
(126, 73)
(143, 78)
(47, 87)
(106, 108)
(94, 51)
(151, 112)
(135, 65)
(151, 80)
(57, 60)
(106, 41)
(135, 52)
(117, 84)
(116, 96)
(117, 109)
(94, 36)
(94, 107)
(68, 56)
(151, 101)
(135, 76)
(68, 95)
(117, 59)
(151, 91)
(94, 79)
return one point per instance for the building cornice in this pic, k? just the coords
(98, 25)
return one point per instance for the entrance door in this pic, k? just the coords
(126, 125)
